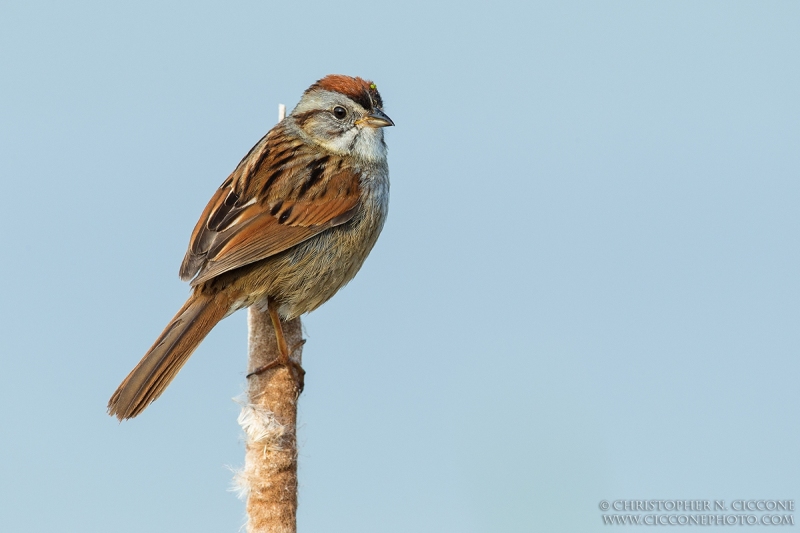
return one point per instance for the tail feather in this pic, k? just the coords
(169, 353)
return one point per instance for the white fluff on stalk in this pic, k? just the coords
(259, 426)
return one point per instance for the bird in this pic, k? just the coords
(290, 226)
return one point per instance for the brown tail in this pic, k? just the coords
(170, 352)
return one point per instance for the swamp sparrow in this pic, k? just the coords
(286, 230)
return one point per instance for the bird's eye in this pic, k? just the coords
(339, 112)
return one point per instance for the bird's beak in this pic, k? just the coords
(376, 119)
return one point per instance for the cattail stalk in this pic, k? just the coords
(269, 421)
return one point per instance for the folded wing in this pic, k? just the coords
(280, 195)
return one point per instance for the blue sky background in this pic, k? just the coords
(587, 288)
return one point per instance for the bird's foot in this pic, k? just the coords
(296, 371)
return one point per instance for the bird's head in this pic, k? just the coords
(345, 116)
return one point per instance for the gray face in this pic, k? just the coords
(335, 122)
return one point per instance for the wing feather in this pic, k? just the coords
(269, 204)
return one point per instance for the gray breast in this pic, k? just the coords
(315, 270)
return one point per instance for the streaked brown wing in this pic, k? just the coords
(281, 194)
(202, 236)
